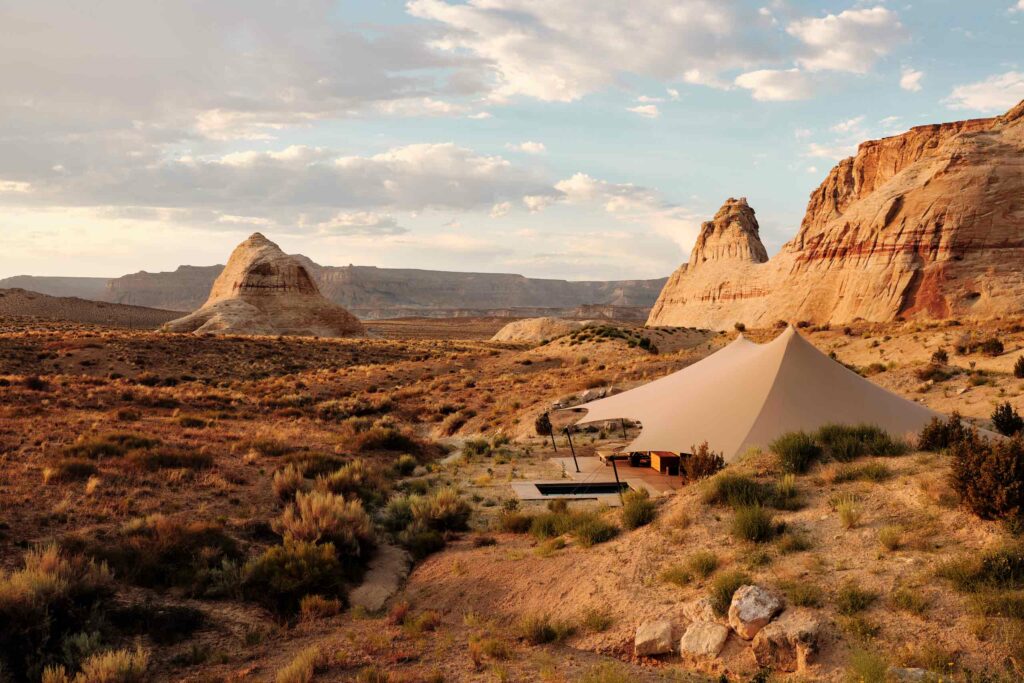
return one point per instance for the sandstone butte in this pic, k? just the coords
(924, 225)
(263, 291)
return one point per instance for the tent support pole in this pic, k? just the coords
(568, 437)
(551, 433)
(617, 482)
(622, 422)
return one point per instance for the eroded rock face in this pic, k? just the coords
(927, 224)
(733, 235)
(752, 608)
(789, 643)
(262, 290)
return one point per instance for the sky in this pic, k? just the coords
(576, 139)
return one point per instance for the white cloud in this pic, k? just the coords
(646, 99)
(995, 94)
(360, 223)
(835, 151)
(480, 116)
(771, 85)
(852, 40)
(501, 209)
(699, 77)
(1019, 7)
(848, 125)
(910, 79)
(537, 202)
(801, 133)
(561, 51)
(649, 111)
(14, 186)
(673, 94)
(528, 147)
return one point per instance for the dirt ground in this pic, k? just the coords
(446, 387)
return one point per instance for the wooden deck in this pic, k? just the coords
(593, 470)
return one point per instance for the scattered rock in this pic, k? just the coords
(699, 610)
(704, 639)
(789, 643)
(751, 609)
(653, 638)
(388, 569)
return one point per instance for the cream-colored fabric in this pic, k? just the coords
(748, 394)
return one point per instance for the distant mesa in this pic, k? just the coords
(924, 225)
(263, 291)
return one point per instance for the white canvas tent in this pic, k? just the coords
(748, 394)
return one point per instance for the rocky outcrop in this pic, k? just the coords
(751, 609)
(927, 224)
(790, 643)
(536, 330)
(264, 291)
(733, 235)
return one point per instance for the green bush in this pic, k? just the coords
(1006, 420)
(722, 589)
(995, 569)
(110, 445)
(737, 490)
(988, 475)
(356, 479)
(797, 451)
(515, 522)
(1018, 367)
(285, 574)
(752, 523)
(397, 514)
(405, 465)
(52, 597)
(323, 517)
(386, 439)
(937, 435)
(848, 442)
(421, 541)
(542, 425)
(851, 599)
(589, 529)
(442, 510)
(540, 629)
(637, 509)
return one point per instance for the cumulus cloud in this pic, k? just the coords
(995, 94)
(648, 111)
(910, 79)
(561, 51)
(528, 147)
(849, 125)
(501, 209)
(773, 85)
(852, 40)
(834, 151)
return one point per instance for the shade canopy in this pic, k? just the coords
(748, 394)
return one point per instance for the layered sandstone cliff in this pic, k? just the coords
(927, 224)
(262, 290)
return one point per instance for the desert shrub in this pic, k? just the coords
(313, 465)
(867, 667)
(542, 425)
(737, 490)
(69, 469)
(386, 439)
(874, 471)
(342, 409)
(596, 620)
(851, 599)
(994, 569)
(934, 372)
(802, 594)
(284, 574)
(589, 529)
(991, 347)
(159, 552)
(515, 522)
(164, 458)
(722, 589)
(442, 510)
(356, 479)
(797, 451)
(701, 463)
(891, 537)
(476, 447)
(421, 541)
(192, 422)
(287, 482)
(270, 448)
(303, 667)
(324, 517)
(637, 509)
(35, 383)
(753, 523)
(794, 542)
(405, 465)
(110, 445)
(53, 596)
(1018, 367)
(1006, 420)
(941, 356)
(847, 442)
(909, 600)
(740, 327)
(679, 574)
(937, 435)
(703, 563)
(397, 514)
(988, 475)
(112, 666)
(850, 510)
(319, 607)
(539, 629)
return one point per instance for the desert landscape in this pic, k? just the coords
(507, 447)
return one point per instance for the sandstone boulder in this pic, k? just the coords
(789, 643)
(264, 291)
(653, 638)
(699, 610)
(703, 639)
(927, 224)
(752, 608)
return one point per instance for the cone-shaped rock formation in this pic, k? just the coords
(262, 290)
